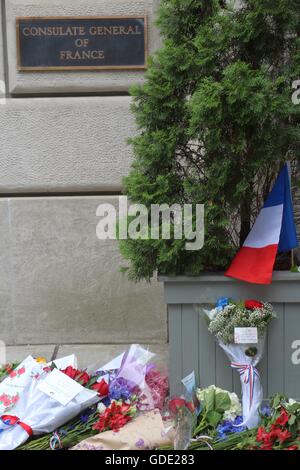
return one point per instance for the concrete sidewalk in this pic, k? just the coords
(87, 354)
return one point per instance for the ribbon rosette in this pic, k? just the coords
(9, 420)
(247, 373)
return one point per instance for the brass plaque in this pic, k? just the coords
(81, 43)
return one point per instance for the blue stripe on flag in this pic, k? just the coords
(288, 235)
(276, 196)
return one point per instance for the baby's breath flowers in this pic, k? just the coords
(241, 315)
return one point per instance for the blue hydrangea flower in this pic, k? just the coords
(229, 427)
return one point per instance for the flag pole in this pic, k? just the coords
(290, 178)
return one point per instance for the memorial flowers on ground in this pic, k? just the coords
(124, 387)
(209, 418)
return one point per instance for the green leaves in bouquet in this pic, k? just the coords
(219, 402)
(213, 418)
(213, 407)
(222, 402)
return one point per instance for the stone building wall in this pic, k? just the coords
(63, 151)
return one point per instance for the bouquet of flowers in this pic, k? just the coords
(91, 422)
(279, 430)
(135, 378)
(240, 330)
(184, 416)
(126, 384)
(49, 399)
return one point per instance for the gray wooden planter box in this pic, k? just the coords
(192, 347)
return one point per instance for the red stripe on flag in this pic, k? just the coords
(253, 265)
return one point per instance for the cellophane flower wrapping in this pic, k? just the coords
(11, 388)
(184, 415)
(42, 413)
(252, 392)
(130, 379)
(223, 320)
(184, 425)
(155, 390)
(134, 366)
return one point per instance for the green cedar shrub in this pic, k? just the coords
(215, 123)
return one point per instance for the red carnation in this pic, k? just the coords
(190, 406)
(292, 448)
(101, 388)
(252, 304)
(266, 446)
(284, 436)
(175, 404)
(83, 378)
(283, 418)
(118, 422)
(275, 431)
(125, 407)
(71, 372)
(114, 417)
(80, 376)
(261, 434)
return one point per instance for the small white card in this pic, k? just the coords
(245, 336)
(60, 387)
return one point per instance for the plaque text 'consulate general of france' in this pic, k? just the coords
(82, 43)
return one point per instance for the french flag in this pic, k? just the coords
(274, 232)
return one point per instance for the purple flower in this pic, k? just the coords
(120, 389)
(266, 410)
(84, 418)
(140, 444)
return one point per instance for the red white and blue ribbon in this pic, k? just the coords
(249, 372)
(9, 420)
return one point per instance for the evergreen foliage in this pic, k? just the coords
(216, 121)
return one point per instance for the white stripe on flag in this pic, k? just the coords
(267, 228)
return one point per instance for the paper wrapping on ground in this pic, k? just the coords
(146, 432)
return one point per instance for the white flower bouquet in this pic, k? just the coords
(240, 330)
(47, 400)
